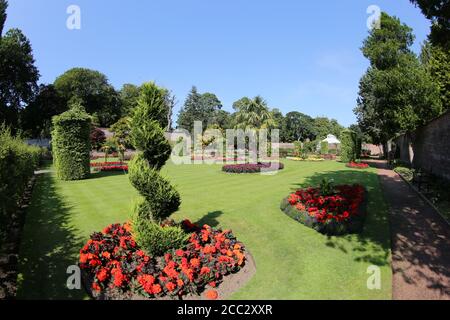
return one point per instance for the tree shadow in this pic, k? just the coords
(372, 245)
(49, 245)
(105, 174)
(210, 219)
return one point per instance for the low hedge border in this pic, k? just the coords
(332, 228)
(252, 167)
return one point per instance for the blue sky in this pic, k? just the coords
(299, 55)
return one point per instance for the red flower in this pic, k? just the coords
(102, 275)
(212, 294)
(205, 270)
(179, 253)
(195, 263)
(96, 287)
(170, 286)
(156, 289)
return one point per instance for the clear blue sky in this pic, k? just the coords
(299, 55)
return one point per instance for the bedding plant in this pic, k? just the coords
(329, 209)
(253, 167)
(151, 256)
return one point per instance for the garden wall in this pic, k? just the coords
(428, 147)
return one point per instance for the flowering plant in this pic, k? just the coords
(106, 164)
(114, 264)
(253, 167)
(337, 212)
(114, 168)
(357, 165)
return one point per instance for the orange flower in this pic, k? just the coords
(106, 255)
(195, 263)
(237, 246)
(212, 295)
(205, 270)
(180, 282)
(170, 286)
(127, 227)
(96, 287)
(156, 289)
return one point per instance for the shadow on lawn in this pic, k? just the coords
(210, 219)
(105, 174)
(49, 246)
(373, 244)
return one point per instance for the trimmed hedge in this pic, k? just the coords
(349, 146)
(17, 164)
(71, 144)
(252, 167)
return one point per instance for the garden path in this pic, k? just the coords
(420, 242)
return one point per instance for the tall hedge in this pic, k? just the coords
(160, 199)
(17, 164)
(349, 146)
(71, 143)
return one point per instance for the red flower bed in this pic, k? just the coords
(336, 213)
(252, 167)
(115, 265)
(114, 168)
(357, 165)
(106, 164)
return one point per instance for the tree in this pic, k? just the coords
(93, 89)
(97, 137)
(36, 118)
(322, 126)
(436, 61)
(438, 11)
(129, 95)
(298, 127)
(396, 94)
(18, 74)
(121, 130)
(253, 114)
(204, 107)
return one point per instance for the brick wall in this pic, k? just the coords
(428, 147)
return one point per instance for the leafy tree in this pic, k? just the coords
(253, 114)
(324, 126)
(201, 107)
(129, 95)
(396, 94)
(18, 74)
(438, 11)
(437, 63)
(93, 89)
(298, 127)
(36, 118)
(121, 130)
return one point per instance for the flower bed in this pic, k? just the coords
(115, 268)
(106, 164)
(357, 165)
(340, 212)
(306, 159)
(114, 168)
(253, 167)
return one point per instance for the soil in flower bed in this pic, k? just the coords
(253, 167)
(340, 212)
(212, 265)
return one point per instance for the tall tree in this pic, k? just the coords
(18, 74)
(253, 114)
(129, 95)
(298, 127)
(37, 116)
(396, 93)
(93, 89)
(199, 107)
(322, 126)
(438, 11)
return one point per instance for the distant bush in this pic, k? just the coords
(72, 144)
(17, 164)
(350, 151)
(324, 147)
(97, 137)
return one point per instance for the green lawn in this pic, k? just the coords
(293, 262)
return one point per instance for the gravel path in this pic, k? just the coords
(420, 242)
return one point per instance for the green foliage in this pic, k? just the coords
(18, 74)
(92, 89)
(157, 240)
(160, 198)
(71, 144)
(17, 164)
(202, 107)
(324, 126)
(253, 114)
(298, 127)
(324, 147)
(129, 95)
(326, 187)
(396, 94)
(349, 147)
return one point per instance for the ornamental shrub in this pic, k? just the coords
(17, 164)
(160, 199)
(324, 147)
(71, 143)
(157, 239)
(349, 149)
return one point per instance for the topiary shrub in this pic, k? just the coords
(349, 146)
(71, 143)
(160, 199)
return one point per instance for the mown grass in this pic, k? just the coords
(293, 262)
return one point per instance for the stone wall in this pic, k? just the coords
(428, 147)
